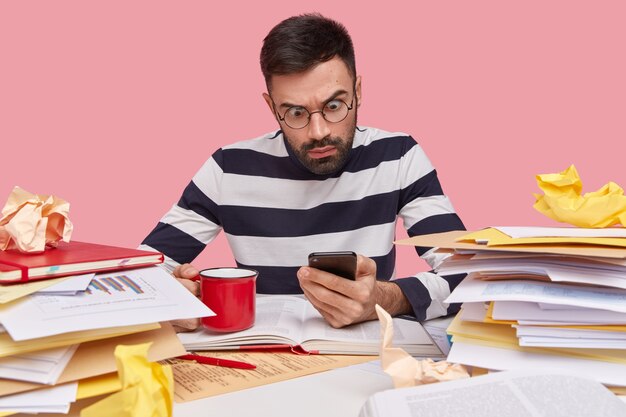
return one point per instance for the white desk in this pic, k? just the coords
(340, 392)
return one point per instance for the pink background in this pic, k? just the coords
(114, 105)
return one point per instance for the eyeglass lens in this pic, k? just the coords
(334, 111)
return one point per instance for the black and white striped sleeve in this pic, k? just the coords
(194, 221)
(424, 209)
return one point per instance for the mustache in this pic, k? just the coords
(327, 141)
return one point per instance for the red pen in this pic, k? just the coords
(208, 360)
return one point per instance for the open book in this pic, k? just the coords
(509, 393)
(292, 320)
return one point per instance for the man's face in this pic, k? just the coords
(321, 146)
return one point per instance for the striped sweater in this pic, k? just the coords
(274, 212)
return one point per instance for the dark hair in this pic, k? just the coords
(301, 42)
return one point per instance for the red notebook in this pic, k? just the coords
(71, 259)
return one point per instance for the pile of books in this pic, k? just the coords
(63, 312)
(538, 298)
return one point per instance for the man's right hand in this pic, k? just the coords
(183, 274)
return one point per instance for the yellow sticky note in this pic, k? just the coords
(563, 202)
(147, 387)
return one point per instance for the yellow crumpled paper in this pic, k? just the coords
(405, 370)
(147, 387)
(30, 222)
(563, 202)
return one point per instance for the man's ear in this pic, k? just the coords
(268, 100)
(357, 91)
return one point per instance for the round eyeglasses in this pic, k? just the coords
(298, 117)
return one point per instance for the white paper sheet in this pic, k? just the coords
(473, 312)
(582, 273)
(138, 296)
(523, 231)
(42, 367)
(499, 394)
(528, 311)
(48, 400)
(504, 359)
(548, 306)
(555, 342)
(568, 332)
(70, 286)
(552, 323)
(472, 289)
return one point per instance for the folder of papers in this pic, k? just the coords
(537, 298)
(151, 294)
(459, 240)
(9, 347)
(93, 366)
(68, 334)
(81, 319)
(498, 236)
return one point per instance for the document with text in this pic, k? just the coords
(512, 394)
(137, 296)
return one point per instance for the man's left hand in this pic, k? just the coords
(342, 301)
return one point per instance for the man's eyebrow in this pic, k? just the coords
(333, 96)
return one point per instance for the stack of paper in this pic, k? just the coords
(537, 298)
(62, 339)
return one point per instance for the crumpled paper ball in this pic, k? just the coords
(147, 387)
(563, 202)
(405, 370)
(31, 222)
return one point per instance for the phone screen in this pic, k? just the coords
(342, 264)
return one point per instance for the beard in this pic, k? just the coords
(329, 164)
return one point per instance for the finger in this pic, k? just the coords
(185, 271)
(336, 309)
(339, 295)
(192, 286)
(326, 279)
(185, 325)
(322, 308)
(314, 281)
(176, 271)
(365, 267)
(339, 300)
(317, 302)
(179, 329)
(189, 271)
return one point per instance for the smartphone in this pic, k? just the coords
(338, 263)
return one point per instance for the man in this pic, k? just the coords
(319, 183)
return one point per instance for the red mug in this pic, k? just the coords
(231, 294)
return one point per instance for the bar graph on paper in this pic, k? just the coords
(115, 291)
(111, 285)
